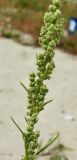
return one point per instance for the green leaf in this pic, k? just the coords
(48, 144)
(24, 86)
(17, 126)
(47, 102)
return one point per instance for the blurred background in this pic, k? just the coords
(20, 23)
(27, 16)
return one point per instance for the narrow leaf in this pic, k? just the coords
(48, 144)
(47, 102)
(17, 126)
(24, 86)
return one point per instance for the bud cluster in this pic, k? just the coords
(50, 36)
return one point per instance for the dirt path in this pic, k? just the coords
(16, 62)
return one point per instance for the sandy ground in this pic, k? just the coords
(16, 62)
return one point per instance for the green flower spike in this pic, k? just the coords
(50, 35)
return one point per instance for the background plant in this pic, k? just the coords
(50, 35)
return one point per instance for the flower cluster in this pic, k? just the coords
(36, 96)
(50, 36)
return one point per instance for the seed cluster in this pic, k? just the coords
(50, 36)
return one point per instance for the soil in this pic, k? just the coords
(16, 62)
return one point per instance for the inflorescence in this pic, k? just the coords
(50, 36)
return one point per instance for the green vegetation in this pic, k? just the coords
(50, 35)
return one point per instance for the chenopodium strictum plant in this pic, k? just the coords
(50, 35)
